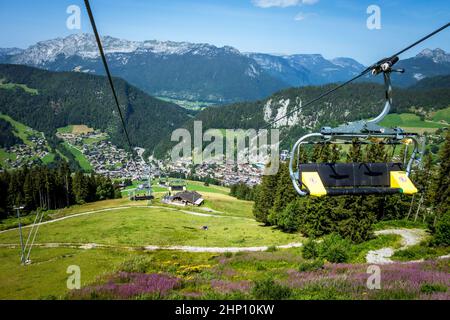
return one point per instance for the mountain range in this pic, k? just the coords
(307, 69)
(203, 72)
(45, 101)
(178, 70)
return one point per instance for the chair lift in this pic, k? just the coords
(333, 179)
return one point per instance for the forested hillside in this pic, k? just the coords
(47, 100)
(353, 102)
(41, 188)
(7, 138)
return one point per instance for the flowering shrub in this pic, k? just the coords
(138, 264)
(268, 289)
(124, 285)
(230, 286)
(398, 280)
(187, 270)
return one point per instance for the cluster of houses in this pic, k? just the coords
(109, 160)
(106, 158)
(230, 174)
(27, 154)
(227, 173)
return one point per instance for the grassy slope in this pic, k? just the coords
(160, 226)
(81, 159)
(411, 122)
(23, 132)
(66, 129)
(6, 155)
(15, 86)
(49, 158)
(442, 115)
(47, 274)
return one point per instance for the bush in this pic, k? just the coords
(432, 288)
(137, 264)
(441, 235)
(335, 249)
(288, 219)
(310, 249)
(416, 252)
(271, 249)
(268, 289)
(310, 265)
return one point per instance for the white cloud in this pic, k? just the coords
(275, 3)
(300, 16)
(309, 2)
(282, 3)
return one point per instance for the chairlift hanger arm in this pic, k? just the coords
(391, 60)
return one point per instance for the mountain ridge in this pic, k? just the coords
(178, 70)
(201, 72)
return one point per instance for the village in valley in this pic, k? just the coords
(28, 154)
(94, 152)
(107, 159)
(103, 156)
(227, 173)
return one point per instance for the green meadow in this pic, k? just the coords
(79, 157)
(412, 123)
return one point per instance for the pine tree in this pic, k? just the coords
(80, 187)
(325, 153)
(335, 153)
(375, 153)
(28, 188)
(284, 193)
(66, 180)
(265, 198)
(442, 186)
(355, 152)
(316, 153)
(4, 183)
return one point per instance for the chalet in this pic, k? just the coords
(185, 198)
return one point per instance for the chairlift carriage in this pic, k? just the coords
(334, 179)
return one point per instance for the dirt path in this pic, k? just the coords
(88, 246)
(410, 237)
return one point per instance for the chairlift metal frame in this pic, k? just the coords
(361, 130)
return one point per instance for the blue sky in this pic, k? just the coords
(332, 28)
